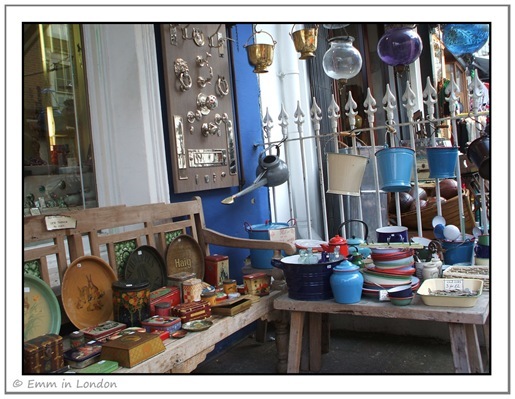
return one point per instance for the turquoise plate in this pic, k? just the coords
(41, 311)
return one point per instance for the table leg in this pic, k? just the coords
(465, 348)
(281, 341)
(475, 360)
(315, 341)
(295, 344)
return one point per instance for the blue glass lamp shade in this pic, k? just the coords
(342, 60)
(399, 46)
(462, 39)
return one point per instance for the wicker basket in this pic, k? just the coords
(477, 272)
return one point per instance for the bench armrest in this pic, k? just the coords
(216, 238)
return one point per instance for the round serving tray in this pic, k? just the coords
(87, 292)
(145, 263)
(41, 312)
(197, 325)
(184, 255)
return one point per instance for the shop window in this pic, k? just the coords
(58, 167)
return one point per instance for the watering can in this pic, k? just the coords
(355, 242)
(271, 171)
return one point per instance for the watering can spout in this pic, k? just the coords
(258, 183)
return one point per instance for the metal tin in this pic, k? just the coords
(257, 284)
(43, 354)
(192, 311)
(162, 309)
(101, 331)
(171, 295)
(84, 355)
(169, 323)
(191, 290)
(209, 297)
(76, 339)
(230, 286)
(178, 279)
(216, 269)
(131, 302)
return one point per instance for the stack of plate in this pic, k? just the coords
(389, 268)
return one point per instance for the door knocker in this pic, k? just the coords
(198, 37)
(222, 86)
(206, 103)
(201, 62)
(182, 72)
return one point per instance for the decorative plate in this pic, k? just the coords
(146, 264)
(41, 312)
(197, 325)
(87, 291)
(184, 255)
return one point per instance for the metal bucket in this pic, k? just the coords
(442, 162)
(394, 166)
(458, 251)
(261, 258)
(479, 153)
(345, 173)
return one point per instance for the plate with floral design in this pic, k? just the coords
(41, 312)
(87, 291)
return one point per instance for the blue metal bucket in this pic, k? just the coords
(394, 166)
(442, 162)
(458, 251)
(261, 258)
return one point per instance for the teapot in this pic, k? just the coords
(355, 242)
(334, 242)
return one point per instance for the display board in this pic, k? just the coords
(199, 106)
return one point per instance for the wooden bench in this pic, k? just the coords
(98, 231)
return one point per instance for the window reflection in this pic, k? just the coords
(58, 166)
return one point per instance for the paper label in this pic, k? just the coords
(284, 235)
(453, 284)
(383, 295)
(60, 222)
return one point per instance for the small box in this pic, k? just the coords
(100, 367)
(216, 269)
(132, 349)
(170, 323)
(83, 355)
(232, 307)
(192, 311)
(102, 331)
(177, 279)
(43, 354)
(171, 295)
(257, 284)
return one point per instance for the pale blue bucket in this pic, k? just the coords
(458, 251)
(394, 166)
(262, 258)
(442, 162)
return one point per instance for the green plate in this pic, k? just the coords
(41, 312)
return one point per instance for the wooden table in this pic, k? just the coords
(462, 324)
(184, 355)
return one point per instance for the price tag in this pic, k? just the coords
(383, 295)
(453, 284)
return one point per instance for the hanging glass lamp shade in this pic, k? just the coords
(342, 60)
(399, 46)
(462, 39)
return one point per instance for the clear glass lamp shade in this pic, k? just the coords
(462, 39)
(399, 46)
(342, 60)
